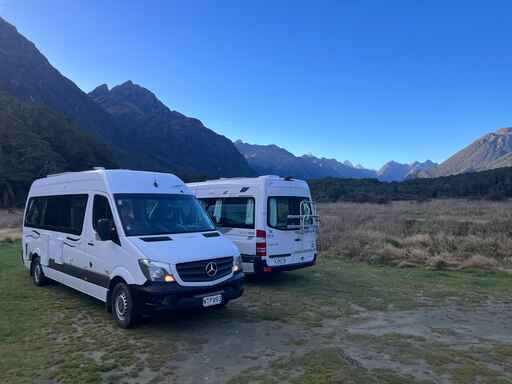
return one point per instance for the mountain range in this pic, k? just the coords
(271, 159)
(141, 131)
(170, 139)
(393, 171)
(493, 150)
(128, 126)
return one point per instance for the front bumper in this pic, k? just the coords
(170, 296)
(261, 266)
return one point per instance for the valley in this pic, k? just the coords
(355, 317)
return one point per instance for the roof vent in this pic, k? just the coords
(211, 234)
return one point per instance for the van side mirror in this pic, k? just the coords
(105, 229)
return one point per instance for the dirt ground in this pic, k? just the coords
(400, 342)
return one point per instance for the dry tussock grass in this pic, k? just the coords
(440, 234)
(10, 224)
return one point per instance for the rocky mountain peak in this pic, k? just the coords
(504, 131)
(100, 91)
(490, 151)
(131, 100)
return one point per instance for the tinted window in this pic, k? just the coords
(35, 212)
(284, 212)
(231, 212)
(57, 213)
(101, 210)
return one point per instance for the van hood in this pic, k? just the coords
(185, 247)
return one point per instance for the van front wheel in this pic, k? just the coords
(124, 309)
(37, 273)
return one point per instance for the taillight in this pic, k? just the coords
(261, 243)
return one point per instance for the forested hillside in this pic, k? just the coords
(494, 184)
(35, 141)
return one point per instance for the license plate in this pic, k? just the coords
(248, 267)
(208, 301)
(279, 260)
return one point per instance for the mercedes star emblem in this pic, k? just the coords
(211, 269)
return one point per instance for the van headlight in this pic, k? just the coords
(156, 271)
(237, 264)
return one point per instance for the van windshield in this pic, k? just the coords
(159, 214)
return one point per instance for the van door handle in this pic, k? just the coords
(90, 244)
(297, 239)
(90, 264)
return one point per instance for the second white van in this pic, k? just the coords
(137, 241)
(271, 219)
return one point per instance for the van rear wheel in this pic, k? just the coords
(37, 273)
(124, 308)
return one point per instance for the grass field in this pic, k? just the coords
(439, 233)
(338, 322)
(10, 224)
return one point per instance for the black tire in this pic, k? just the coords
(124, 307)
(37, 273)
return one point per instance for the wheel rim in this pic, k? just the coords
(121, 305)
(37, 273)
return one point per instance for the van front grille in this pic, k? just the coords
(196, 271)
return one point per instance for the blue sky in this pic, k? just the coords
(367, 81)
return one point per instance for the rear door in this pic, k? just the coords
(288, 243)
(35, 239)
(307, 245)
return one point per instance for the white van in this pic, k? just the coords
(135, 240)
(271, 219)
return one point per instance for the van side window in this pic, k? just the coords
(77, 206)
(65, 213)
(209, 206)
(57, 213)
(101, 210)
(35, 211)
(231, 212)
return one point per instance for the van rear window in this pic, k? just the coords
(231, 212)
(284, 212)
(63, 213)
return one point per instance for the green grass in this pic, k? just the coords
(332, 288)
(55, 333)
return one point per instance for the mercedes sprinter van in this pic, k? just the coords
(134, 240)
(271, 219)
